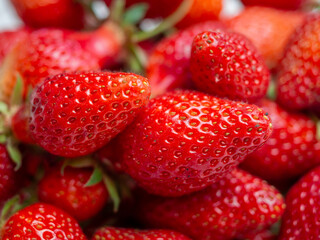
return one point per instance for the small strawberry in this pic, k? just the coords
(169, 63)
(48, 13)
(20, 125)
(298, 80)
(291, 150)
(262, 25)
(301, 218)
(110, 233)
(42, 221)
(237, 204)
(228, 65)
(69, 192)
(76, 114)
(184, 141)
(283, 4)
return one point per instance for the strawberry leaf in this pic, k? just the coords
(7, 209)
(77, 163)
(135, 13)
(14, 154)
(95, 177)
(113, 192)
(4, 109)
(16, 97)
(3, 138)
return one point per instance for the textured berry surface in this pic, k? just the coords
(263, 25)
(236, 204)
(48, 13)
(298, 80)
(283, 4)
(68, 192)
(228, 65)
(42, 221)
(184, 141)
(76, 114)
(301, 218)
(168, 67)
(109, 233)
(291, 150)
(7, 174)
(20, 125)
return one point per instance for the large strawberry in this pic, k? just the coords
(291, 150)
(301, 218)
(69, 192)
(42, 221)
(298, 80)
(263, 25)
(283, 4)
(48, 13)
(228, 65)
(76, 114)
(235, 205)
(110, 233)
(184, 141)
(169, 63)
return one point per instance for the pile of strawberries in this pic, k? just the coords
(163, 121)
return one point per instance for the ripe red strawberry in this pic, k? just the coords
(291, 150)
(284, 4)
(110, 233)
(20, 125)
(42, 221)
(68, 192)
(9, 39)
(48, 13)
(169, 63)
(263, 25)
(228, 65)
(7, 175)
(76, 114)
(184, 141)
(236, 204)
(301, 218)
(298, 80)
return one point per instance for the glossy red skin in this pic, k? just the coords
(68, 192)
(7, 175)
(228, 65)
(20, 125)
(298, 80)
(283, 4)
(301, 218)
(42, 221)
(238, 203)
(48, 13)
(9, 39)
(169, 64)
(200, 11)
(184, 141)
(262, 25)
(291, 150)
(76, 114)
(110, 233)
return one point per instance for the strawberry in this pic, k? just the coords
(110, 233)
(68, 191)
(184, 141)
(301, 218)
(280, 25)
(169, 63)
(20, 125)
(282, 4)
(291, 150)
(76, 114)
(237, 204)
(298, 80)
(7, 175)
(228, 65)
(48, 13)
(9, 39)
(42, 221)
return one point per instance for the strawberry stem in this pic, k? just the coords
(117, 10)
(166, 24)
(138, 58)
(113, 192)
(272, 93)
